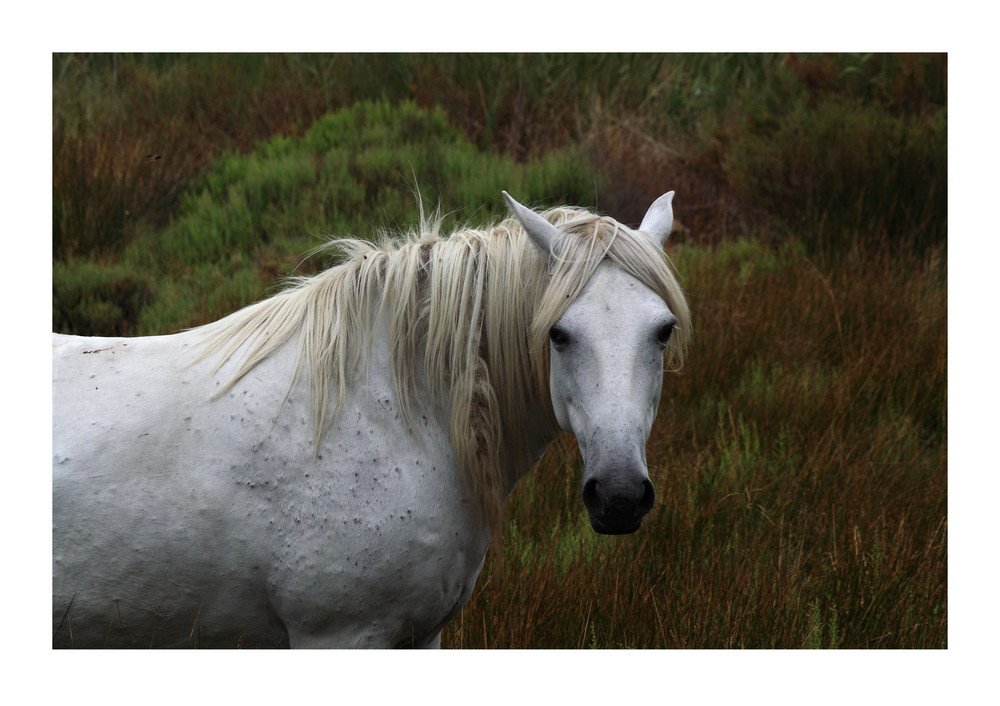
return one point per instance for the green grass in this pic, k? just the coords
(800, 457)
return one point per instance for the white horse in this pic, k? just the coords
(326, 468)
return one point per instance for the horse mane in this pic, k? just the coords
(477, 305)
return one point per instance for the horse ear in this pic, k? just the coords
(542, 233)
(659, 219)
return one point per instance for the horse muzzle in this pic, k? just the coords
(617, 507)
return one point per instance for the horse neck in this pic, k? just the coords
(545, 436)
(541, 429)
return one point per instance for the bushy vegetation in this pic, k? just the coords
(354, 171)
(799, 458)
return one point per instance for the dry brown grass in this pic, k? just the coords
(800, 468)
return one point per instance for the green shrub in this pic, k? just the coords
(352, 173)
(94, 299)
(351, 164)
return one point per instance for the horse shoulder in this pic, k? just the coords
(379, 518)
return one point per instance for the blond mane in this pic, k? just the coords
(477, 306)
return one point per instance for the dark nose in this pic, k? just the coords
(617, 507)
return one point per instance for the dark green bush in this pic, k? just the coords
(93, 299)
(351, 164)
(352, 173)
(845, 168)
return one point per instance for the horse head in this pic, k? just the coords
(606, 354)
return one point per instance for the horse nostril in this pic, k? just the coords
(647, 500)
(636, 506)
(591, 500)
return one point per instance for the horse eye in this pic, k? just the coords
(558, 337)
(663, 333)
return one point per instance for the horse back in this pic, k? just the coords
(137, 522)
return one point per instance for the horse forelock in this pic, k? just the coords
(585, 241)
(476, 306)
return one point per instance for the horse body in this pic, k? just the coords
(222, 525)
(200, 500)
